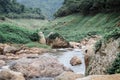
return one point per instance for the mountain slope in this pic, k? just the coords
(48, 7)
(75, 27)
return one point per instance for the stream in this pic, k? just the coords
(65, 55)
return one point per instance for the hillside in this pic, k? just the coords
(75, 27)
(14, 10)
(48, 7)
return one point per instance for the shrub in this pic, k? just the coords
(115, 68)
(98, 45)
(13, 34)
(115, 34)
(34, 36)
(53, 36)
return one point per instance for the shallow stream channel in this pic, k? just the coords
(64, 56)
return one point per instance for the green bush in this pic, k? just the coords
(13, 34)
(53, 36)
(34, 36)
(88, 7)
(115, 68)
(115, 34)
(98, 45)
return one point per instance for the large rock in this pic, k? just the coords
(75, 45)
(102, 77)
(68, 76)
(1, 48)
(75, 61)
(43, 66)
(2, 63)
(7, 74)
(9, 49)
(57, 41)
(42, 39)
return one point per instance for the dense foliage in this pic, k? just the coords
(115, 68)
(12, 9)
(115, 34)
(14, 34)
(88, 7)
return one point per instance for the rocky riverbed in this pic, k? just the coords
(36, 63)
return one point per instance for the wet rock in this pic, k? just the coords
(75, 45)
(75, 61)
(9, 49)
(68, 76)
(57, 41)
(44, 66)
(3, 57)
(2, 63)
(7, 74)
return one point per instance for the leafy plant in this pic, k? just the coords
(98, 45)
(14, 34)
(115, 34)
(115, 68)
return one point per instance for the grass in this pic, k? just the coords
(73, 27)
(115, 68)
(31, 24)
(76, 27)
(13, 34)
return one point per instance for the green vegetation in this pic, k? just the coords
(88, 7)
(115, 34)
(11, 33)
(75, 27)
(115, 68)
(12, 9)
(98, 45)
(38, 45)
(14, 34)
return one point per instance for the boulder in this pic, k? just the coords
(42, 66)
(9, 49)
(68, 76)
(7, 74)
(75, 61)
(75, 45)
(57, 41)
(42, 39)
(1, 48)
(2, 63)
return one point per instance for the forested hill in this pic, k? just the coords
(88, 7)
(48, 7)
(13, 9)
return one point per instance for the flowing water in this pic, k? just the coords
(65, 55)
